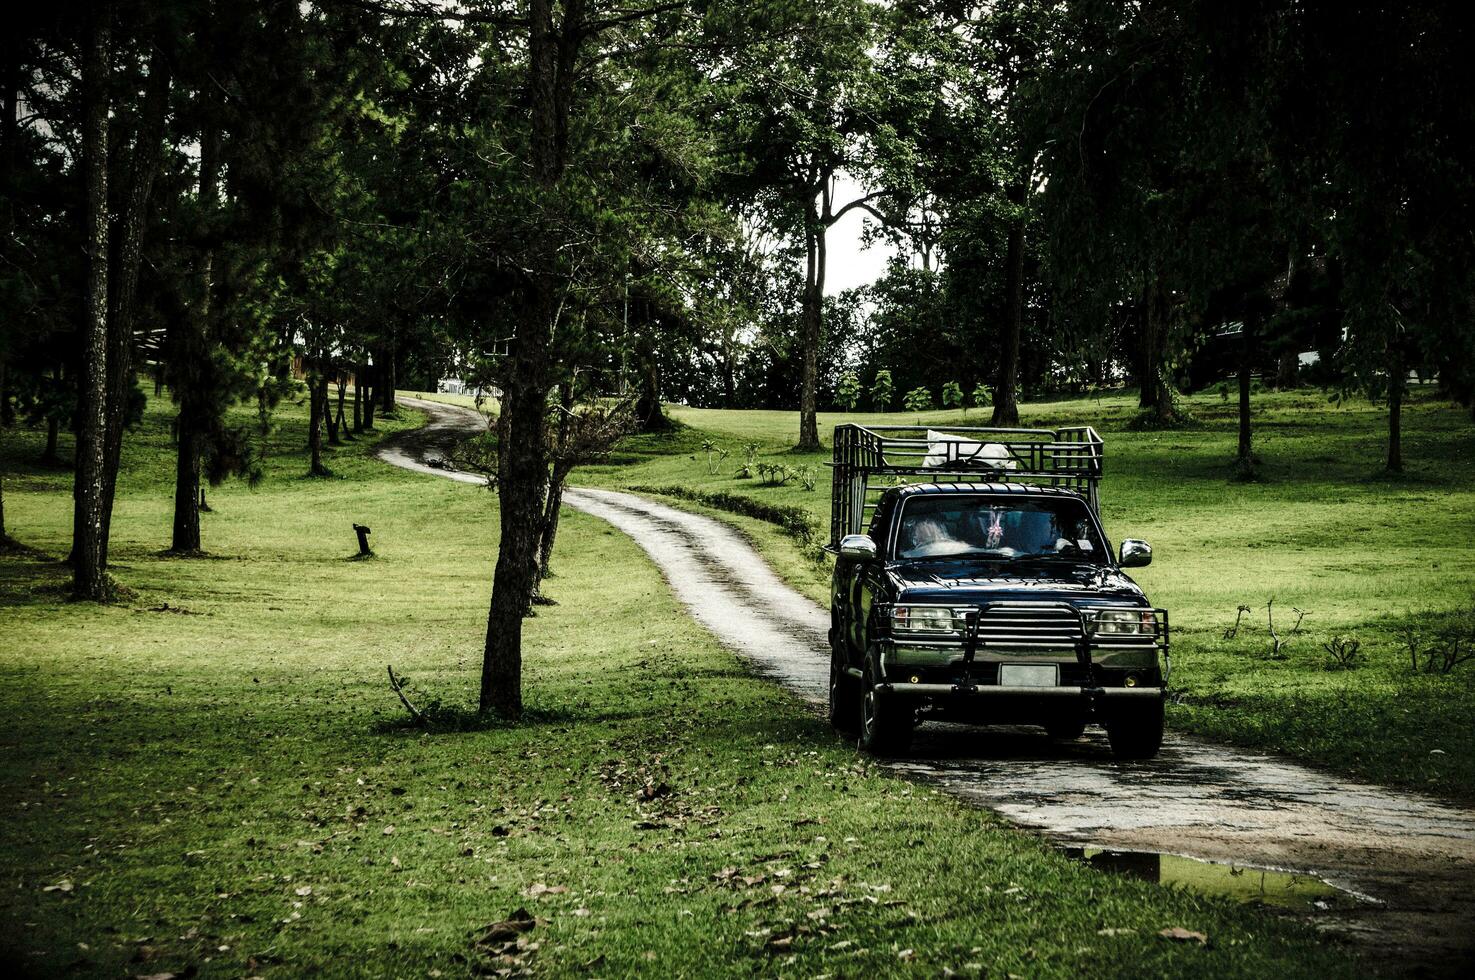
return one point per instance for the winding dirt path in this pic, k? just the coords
(1410, 858)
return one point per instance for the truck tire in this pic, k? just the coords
(1136, 732)
(844, 697)
(885, 721)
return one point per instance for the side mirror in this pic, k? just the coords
(1135, 553)
(857, 547)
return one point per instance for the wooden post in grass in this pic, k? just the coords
(363, 533)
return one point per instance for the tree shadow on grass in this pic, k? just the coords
(437, 718)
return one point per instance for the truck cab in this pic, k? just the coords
(974, 582)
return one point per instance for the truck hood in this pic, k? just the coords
(984, 581)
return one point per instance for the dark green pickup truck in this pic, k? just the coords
(974, 582)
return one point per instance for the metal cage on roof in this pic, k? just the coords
(868, 460)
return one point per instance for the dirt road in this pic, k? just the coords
(1407, 860)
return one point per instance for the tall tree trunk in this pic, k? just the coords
(524, 454)
(49, 455)
(1006, 392)
(551, 513)
(1288, 370)
(147, 155)
(186, 354)
(10, 75)
(4, 537)
(185, 535)
(1248, 340)
(370, 391)
(340, 382)
(813, 329)
(561, 470)
(388, 377)
(358, 403)
(1397, 380)
(89, 573)
(330, 421)
(1155, 395)
(648, 410)
(318, 393)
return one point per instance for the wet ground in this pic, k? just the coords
(1402, 865)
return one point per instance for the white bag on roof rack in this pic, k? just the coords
(950, 450)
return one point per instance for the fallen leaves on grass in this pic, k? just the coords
(508, 929)
(503, 947)
(538, 889)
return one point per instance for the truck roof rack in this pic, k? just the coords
(869, 459)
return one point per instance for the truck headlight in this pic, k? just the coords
(1126, 622)
(922, 619)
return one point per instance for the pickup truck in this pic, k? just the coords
(974, 582)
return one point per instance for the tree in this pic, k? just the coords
(550, 204)
(917, 400)
(952, 395)
(847, 393)
(89, 570)
(806, 116)
(1389, 192)
(882, 391)
(146, 160)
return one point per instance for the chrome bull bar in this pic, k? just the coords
(1087, 638)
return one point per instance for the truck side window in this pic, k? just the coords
(881, 519)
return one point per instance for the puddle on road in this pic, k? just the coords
(1281, 889)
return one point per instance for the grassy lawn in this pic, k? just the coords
(1361, 553)
(213, 775)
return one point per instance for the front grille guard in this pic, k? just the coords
(1086, 639)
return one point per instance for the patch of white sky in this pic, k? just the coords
(850, 261)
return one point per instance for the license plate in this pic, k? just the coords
(1029, 675)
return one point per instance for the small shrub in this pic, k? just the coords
(750, 462)
(775, 474)
(1277, 642)
(1344, 651)
(795, 521)
(917, 400)
(1410, 639)
(982, 396)
(1444, 647)
(1233, 631)
(952, 395)
(805, 475)
(883, 391)
(847, 391)
(715, 455)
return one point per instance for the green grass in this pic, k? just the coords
(1324, 531)
(226, 785)
(488, 405)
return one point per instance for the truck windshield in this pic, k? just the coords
(955, 526)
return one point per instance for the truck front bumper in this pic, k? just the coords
(999, 691)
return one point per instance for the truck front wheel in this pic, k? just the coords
(885, 720)
(844, 696)
(1136, 732)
